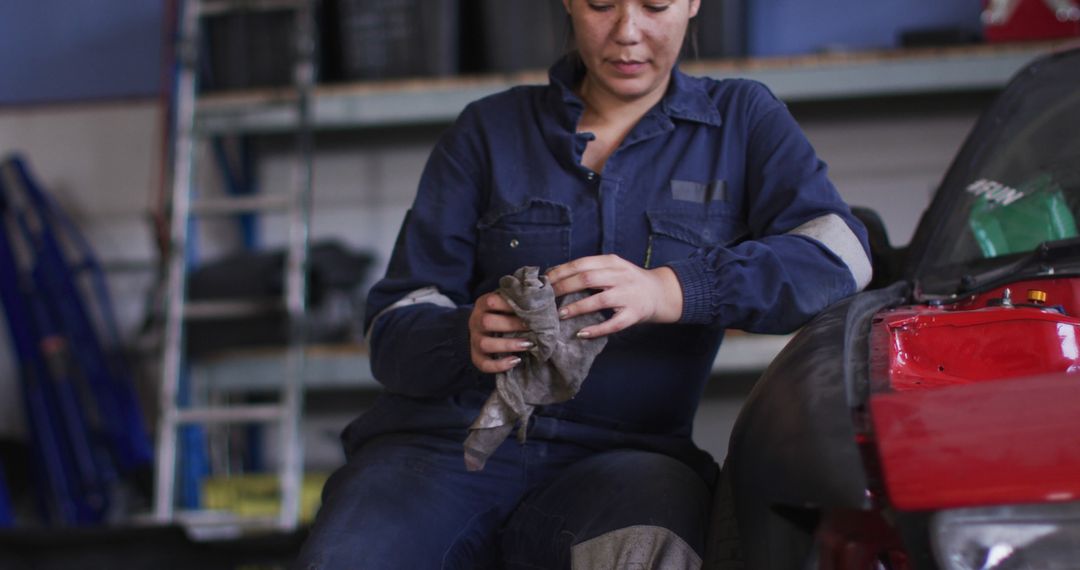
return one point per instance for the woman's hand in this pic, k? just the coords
(635, 294)
(490, 353)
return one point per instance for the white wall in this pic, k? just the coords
(101, 161)
(891, 164)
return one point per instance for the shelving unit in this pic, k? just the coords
(347, 367)
(793, 79)
(440, 100)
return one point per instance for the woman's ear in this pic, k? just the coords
(695, 5)
(566, 4)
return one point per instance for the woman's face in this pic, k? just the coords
(630, 46)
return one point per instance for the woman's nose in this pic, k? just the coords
(627, 29)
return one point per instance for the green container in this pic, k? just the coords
(1019, 226)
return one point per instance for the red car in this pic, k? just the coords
(933, 422)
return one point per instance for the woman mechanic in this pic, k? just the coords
(687, 205)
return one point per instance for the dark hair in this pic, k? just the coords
(690, 42)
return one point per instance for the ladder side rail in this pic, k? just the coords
(291, 479)
(183, 174)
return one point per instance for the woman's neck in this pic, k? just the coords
(610, 119)
(605, 110)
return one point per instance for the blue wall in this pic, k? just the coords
(72, 50)
(779, 27)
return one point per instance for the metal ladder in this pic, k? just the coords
(286, 412)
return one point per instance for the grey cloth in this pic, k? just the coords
(550, 372)
(643, 546)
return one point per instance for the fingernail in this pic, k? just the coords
(525, 344)
(563, 313)
(583, 334)
(515, 362)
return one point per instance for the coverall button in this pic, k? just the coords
(591, 176)
(514, 242)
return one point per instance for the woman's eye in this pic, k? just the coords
(600, 7)
(656, 7)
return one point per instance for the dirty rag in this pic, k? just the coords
(550, 372)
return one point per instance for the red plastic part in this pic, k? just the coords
(1032, 20)
(1005, 442)
(931, 350)
(921, 347)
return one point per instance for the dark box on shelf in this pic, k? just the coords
(522, 34)
(337, 275)
(719, 30)
(381, 39)
(248, 49)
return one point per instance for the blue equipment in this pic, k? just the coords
(86, 426)
(6, 518)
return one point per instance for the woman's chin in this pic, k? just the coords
(631, 88)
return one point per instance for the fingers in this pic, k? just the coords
(494, 302)
(590, 304)
(494, 354)
(497, 354)
(569, 269)
(621, 320)
(494, 366)
(495, 345)
(592, 276)
(493, 314)
(494, 322)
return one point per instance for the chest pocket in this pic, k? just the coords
(536, 232)
(678, 233)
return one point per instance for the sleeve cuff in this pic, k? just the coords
(696, 280)
(460, 338)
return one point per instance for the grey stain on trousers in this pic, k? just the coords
(643, 547)
(550, 372)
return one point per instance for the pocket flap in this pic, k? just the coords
(681, 226)
(532, 212)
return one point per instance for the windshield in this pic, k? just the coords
(1017, 183)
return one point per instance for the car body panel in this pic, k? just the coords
(948, 388)
(990, 443)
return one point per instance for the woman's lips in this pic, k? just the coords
(628, 67)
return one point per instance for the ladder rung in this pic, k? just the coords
(226, 205)
(231, 414)
(218, 7)
(202, 310)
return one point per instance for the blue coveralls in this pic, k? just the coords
(717, 182)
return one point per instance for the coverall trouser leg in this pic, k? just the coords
(614, 510)
(406, 502)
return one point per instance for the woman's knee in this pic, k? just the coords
(403, 506)
(617, 506)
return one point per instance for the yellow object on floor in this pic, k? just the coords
(259, 495)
